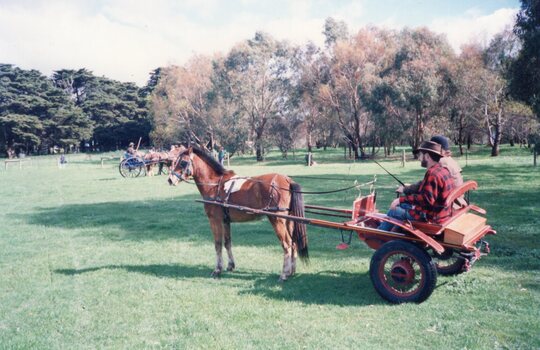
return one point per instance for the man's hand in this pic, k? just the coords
(394, 204)
(399, 189)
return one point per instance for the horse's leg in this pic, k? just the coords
(228, 245)
(280, 227)
(217, 229)
(290, 228)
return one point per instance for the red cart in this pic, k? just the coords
(407, 259)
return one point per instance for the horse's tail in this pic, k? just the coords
(299, 231)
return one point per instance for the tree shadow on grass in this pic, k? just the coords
(135, 220)
(321, 288)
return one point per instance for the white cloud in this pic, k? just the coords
(473, 26)
(126, 39)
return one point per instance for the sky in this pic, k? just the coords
(126, 39)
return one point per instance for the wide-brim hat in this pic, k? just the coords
(431, 147)
(131, 144)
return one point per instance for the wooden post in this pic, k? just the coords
(403, 158)
(466, 156)
(535, 152)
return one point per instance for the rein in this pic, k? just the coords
(371, 183)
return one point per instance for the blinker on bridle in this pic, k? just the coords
(184, 166)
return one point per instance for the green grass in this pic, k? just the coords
(91, 260)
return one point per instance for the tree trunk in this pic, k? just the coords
(259, 151)
(496, 142)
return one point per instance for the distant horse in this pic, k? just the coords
(270, 192)
(161, 159)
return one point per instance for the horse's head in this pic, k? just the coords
(182, 168)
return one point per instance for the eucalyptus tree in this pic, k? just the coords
(312, 70)
(521, 123)
(466, 124)
(334, 31)
(255, 78)
(420, 75)
(179, 103)
(354, 70)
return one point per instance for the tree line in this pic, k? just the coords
(368, 91)
(72, 110)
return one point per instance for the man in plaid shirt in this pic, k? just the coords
(428, 203)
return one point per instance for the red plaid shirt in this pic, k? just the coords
(429, 201)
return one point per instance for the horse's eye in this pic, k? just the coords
(184, 163)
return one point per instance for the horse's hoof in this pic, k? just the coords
(216, 274)
(281, 279)
(231, 267)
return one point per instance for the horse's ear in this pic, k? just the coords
(190, 150)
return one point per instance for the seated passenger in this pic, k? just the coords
(428, 203)
(446, 161)
(130, 151)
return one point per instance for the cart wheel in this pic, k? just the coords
(449, 263)
(402, 272)
(131, 167)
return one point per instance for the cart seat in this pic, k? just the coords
(459, 208)
(363, 205)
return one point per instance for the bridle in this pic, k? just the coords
(186, 167)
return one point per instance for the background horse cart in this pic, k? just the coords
(142, 165)
(407, 259)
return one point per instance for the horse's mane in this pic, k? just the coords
(210, 160)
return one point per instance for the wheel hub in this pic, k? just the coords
(402, 272)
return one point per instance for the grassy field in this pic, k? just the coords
(92, 260)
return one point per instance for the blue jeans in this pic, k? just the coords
(401, 212)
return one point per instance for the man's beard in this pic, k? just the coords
(423, 163)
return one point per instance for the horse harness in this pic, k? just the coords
(224, 196)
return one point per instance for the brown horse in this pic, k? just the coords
(152, 158)
(271, 192)
(162, 159)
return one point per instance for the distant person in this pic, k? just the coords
(221, 155)
(130, 151)
(10, 153)
(62, 161)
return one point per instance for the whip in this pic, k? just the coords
(389, 173)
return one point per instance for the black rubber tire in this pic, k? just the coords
(449, 263)
(409, 262)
